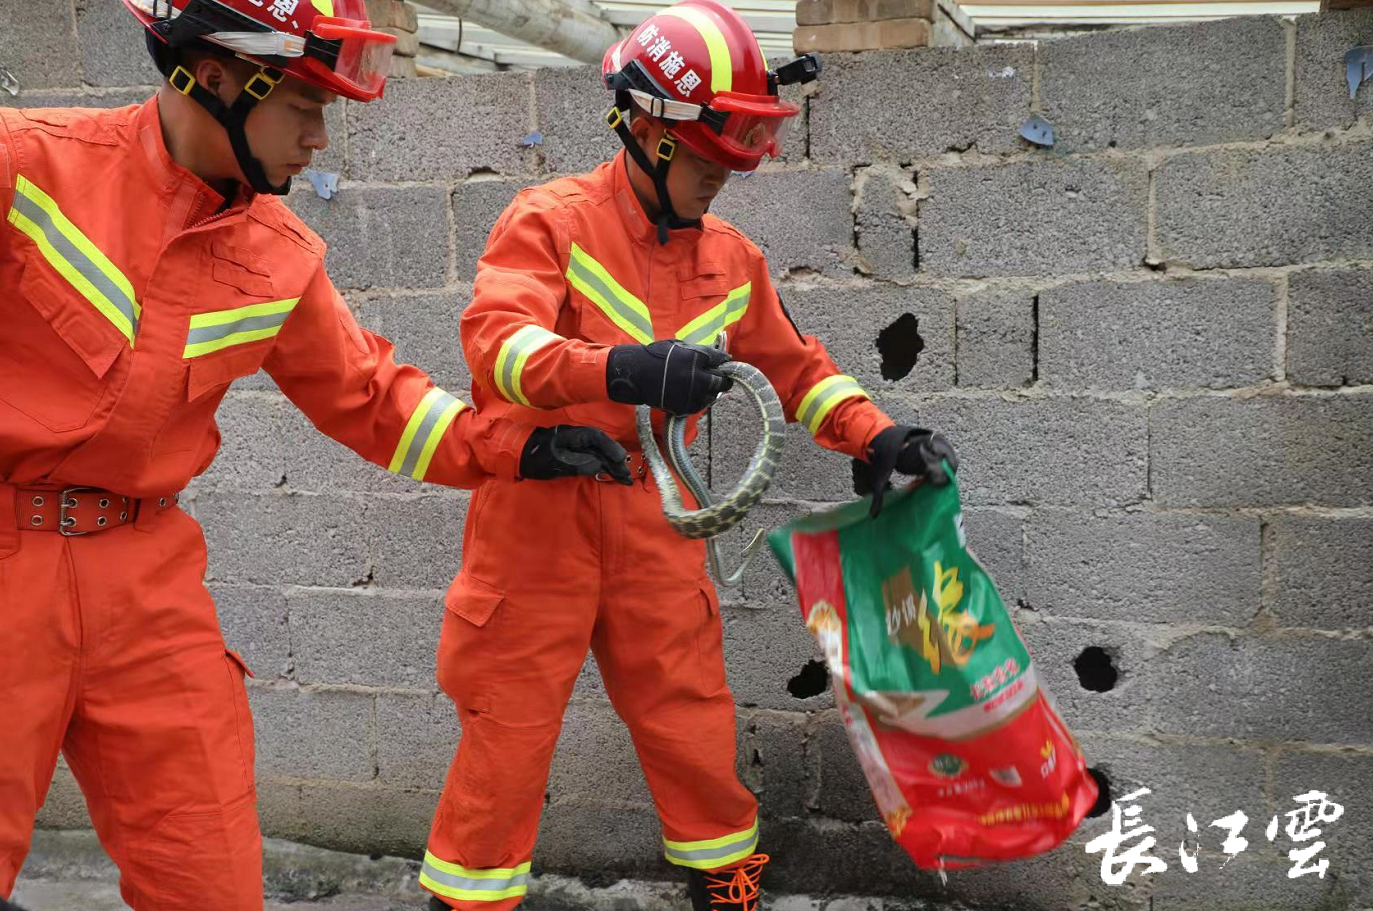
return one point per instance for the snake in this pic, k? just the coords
(715, 517)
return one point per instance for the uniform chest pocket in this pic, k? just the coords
(60, 346)
(223, 345)
(711, 302)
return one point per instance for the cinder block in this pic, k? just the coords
(628, 840)
(1321, 99)
(843, 791)
(40, 51)
(365, 638)
(251, 455)
(1068, 873)
(996, 537)
(113, 51)
(570, 107)
(1207, 780)
(818, 855)
(776, 762)
(397, 140)
(1249, 882)
(388, 237)
(78, 98)
(1077, 216)
(393, 14)
(315, 462)
(1194, 84)
(975, 97)
(996, 338)
(313, 733)
(332, 158)
(1292, 687)
(595, 758)
(1324, 571)
(1157, 335)
(1277, 450)
(359, 818)
(253, 618)
(764, 651)
(823, 12)
(477, 203)
(1330, 327)
(862, 36)
(269, 539)
(764, 583)
(424, 329)
(416, 542)
(1054, 451)
(417, 734)
(1055, 645)
(799, 219)
(1144, 567)
(849, 321)
(1218, 209)
(884, 211)
(1345, 778)
(807, 472)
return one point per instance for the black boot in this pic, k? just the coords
(436, 904)
(732, 889)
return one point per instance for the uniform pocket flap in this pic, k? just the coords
(236, 658)
(84, 330)
(472, 600)
(213, 371)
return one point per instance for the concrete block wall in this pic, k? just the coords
(1151, 344)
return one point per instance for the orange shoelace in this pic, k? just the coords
(738, 885)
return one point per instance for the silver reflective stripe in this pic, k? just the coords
(610, 299)
(513, 355)
(453, 881)
(246, 324)
(744, 843)
(437, 407)
(79, 261)
(822, 401)
(731, 309)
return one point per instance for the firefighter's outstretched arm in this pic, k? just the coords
(347, 382)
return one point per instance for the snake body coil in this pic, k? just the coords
(714, 518)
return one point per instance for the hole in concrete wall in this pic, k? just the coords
(757, 760)
(1103, 793)
(900, 345)
(812, 680)
(1096, 670)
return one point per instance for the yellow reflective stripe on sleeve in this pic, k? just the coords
(620, 307)
(714, 853)
(423, 432)
(512, 357)
(823, 396)
(704, 328)
(455, 881)
(221, 329)
(75, 258)
(721, 65)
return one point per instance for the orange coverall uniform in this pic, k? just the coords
(129, 299)
(571, 268)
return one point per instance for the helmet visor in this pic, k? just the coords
(756, 124)
(357, 56)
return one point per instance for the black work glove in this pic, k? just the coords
(911, 451)
(565, 450)
(670, 375)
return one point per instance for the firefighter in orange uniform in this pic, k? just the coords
(146, 262)
(595, 294)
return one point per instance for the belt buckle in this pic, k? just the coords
(63, 522)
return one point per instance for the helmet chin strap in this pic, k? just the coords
(618, 118)
(233, 117)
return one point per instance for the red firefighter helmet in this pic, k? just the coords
(327, 43)
(698, 66)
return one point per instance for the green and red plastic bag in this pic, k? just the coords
(962, 747)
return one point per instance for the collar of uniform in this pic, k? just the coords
(641, 227)
(189, 198)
